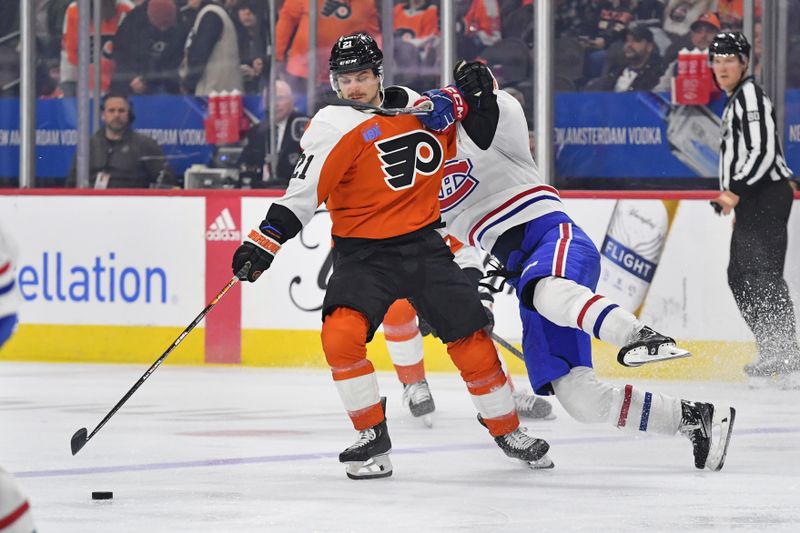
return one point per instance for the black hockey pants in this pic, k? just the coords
(755, 270)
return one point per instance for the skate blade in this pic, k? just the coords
(373, 468)
(544, 463)
(790, 381)
(722, 425)
(528, 416)
(639, 356)
(774, 382)
(428, 421)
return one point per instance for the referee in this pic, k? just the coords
(754, 180)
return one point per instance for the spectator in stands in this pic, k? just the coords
(334, 18)
(642, 68)
(148, 50)
(680, 14)
(731, 13)
(211, 59)
(118, 156)
(517, 20)
(289, 127)
(701, 34)
(416, 29)
(111, 13)
(758, 49)
(417, 21)
(9, 57)
(252, 44)
(482, 22)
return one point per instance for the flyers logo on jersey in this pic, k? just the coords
(403, 156)
(457, 183)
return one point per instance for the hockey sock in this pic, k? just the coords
(404, 342)
(476, 358)
(565, 303)
(344, 336)
(629, 408)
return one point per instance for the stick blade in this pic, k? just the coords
(79, 440)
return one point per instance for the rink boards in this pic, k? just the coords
(115, 277)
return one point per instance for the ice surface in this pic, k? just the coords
(223, 449)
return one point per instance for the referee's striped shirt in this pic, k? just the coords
(750, 151)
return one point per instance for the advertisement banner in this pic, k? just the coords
(174, 122)
(289, 296)
(598, 135)
(635, 135)
(107, 260)
(223, 236)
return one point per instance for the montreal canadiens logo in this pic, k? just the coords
(457, 183)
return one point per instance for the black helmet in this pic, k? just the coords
(356, 52)
(729, 43)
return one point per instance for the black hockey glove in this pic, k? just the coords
(259, 250)
(473, 79)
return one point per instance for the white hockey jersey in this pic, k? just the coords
(486, 192)
(9, 296)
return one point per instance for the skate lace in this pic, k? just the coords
(519, 440)
(418, 392)
(365, 437)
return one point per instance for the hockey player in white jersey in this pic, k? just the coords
(9, 294)
(15, 513)
(492, 197)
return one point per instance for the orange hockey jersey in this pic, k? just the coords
(379, 176)
(69, 44)
(422, 23)
(334, 19)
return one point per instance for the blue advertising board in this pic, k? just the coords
(598, 135)
(175, 122)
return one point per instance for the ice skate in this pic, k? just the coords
(532, 406)
(709, 429)
(776, 373)
(649, 346)
(368, 457)
(417, 397)
(520, 445)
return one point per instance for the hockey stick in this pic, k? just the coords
(507, 345)
(80, 438)
(423, 109)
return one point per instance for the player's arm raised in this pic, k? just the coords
(476, 82)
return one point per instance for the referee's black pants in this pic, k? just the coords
(755, 270)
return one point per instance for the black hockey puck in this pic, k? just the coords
(101, 495)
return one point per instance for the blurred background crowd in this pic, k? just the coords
(196, 47)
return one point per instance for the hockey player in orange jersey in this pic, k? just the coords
(380, 179)
(404, 335)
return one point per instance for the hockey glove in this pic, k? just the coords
(448, 107)
(473, 79)
(259, 250)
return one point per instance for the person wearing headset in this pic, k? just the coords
(120, 157)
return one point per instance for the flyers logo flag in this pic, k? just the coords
(405, 155)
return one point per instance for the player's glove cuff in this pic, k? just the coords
(449, 106)
(267, 238)
(256, 253)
